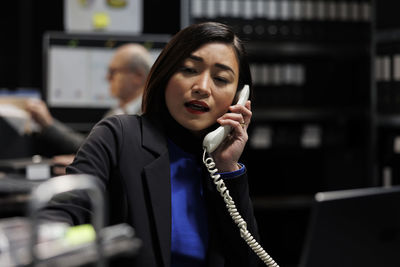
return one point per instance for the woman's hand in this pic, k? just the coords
(228, 153)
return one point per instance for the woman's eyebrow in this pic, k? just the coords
(224, 67)
(196, 58)
(218, 65)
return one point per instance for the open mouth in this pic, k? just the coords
(197, 106)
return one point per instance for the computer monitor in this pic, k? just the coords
(75, 70)
(76, 66)
(351, 228)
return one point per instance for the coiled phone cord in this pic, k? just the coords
(236, 217)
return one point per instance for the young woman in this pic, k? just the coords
(151, 165)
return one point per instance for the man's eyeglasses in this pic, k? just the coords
(112, 71)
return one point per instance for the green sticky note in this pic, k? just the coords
(80, 234)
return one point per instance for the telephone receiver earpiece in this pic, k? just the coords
(215, 138)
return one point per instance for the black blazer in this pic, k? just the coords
(129, 154)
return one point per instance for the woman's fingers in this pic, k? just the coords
(240, 116)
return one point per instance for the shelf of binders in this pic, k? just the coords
(320, 84)
(303, 53)
(307, 114)
(305, 157)
(389, 154)
(294, 49)
(315, 32)
(387, 77)
(286, 20)
(305, 134)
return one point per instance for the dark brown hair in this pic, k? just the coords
(178, 49)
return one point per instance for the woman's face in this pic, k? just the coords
(203, 87)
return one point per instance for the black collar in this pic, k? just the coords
(181, 136)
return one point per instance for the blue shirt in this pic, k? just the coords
(189, 233)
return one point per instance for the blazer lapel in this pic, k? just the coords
(157, 176)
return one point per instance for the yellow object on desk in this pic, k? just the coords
(80, 234)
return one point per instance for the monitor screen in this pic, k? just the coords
(354, 227)
(75, 67)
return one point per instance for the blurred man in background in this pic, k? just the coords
(127, 74)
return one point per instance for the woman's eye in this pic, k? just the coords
(188, 70)
(221, 80)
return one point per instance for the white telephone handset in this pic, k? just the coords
(215, 138)
(210, 143)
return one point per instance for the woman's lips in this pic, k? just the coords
(196, 107)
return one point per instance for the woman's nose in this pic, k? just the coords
(203, 84)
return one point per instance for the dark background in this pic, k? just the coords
(23, 22)
(340, 96)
